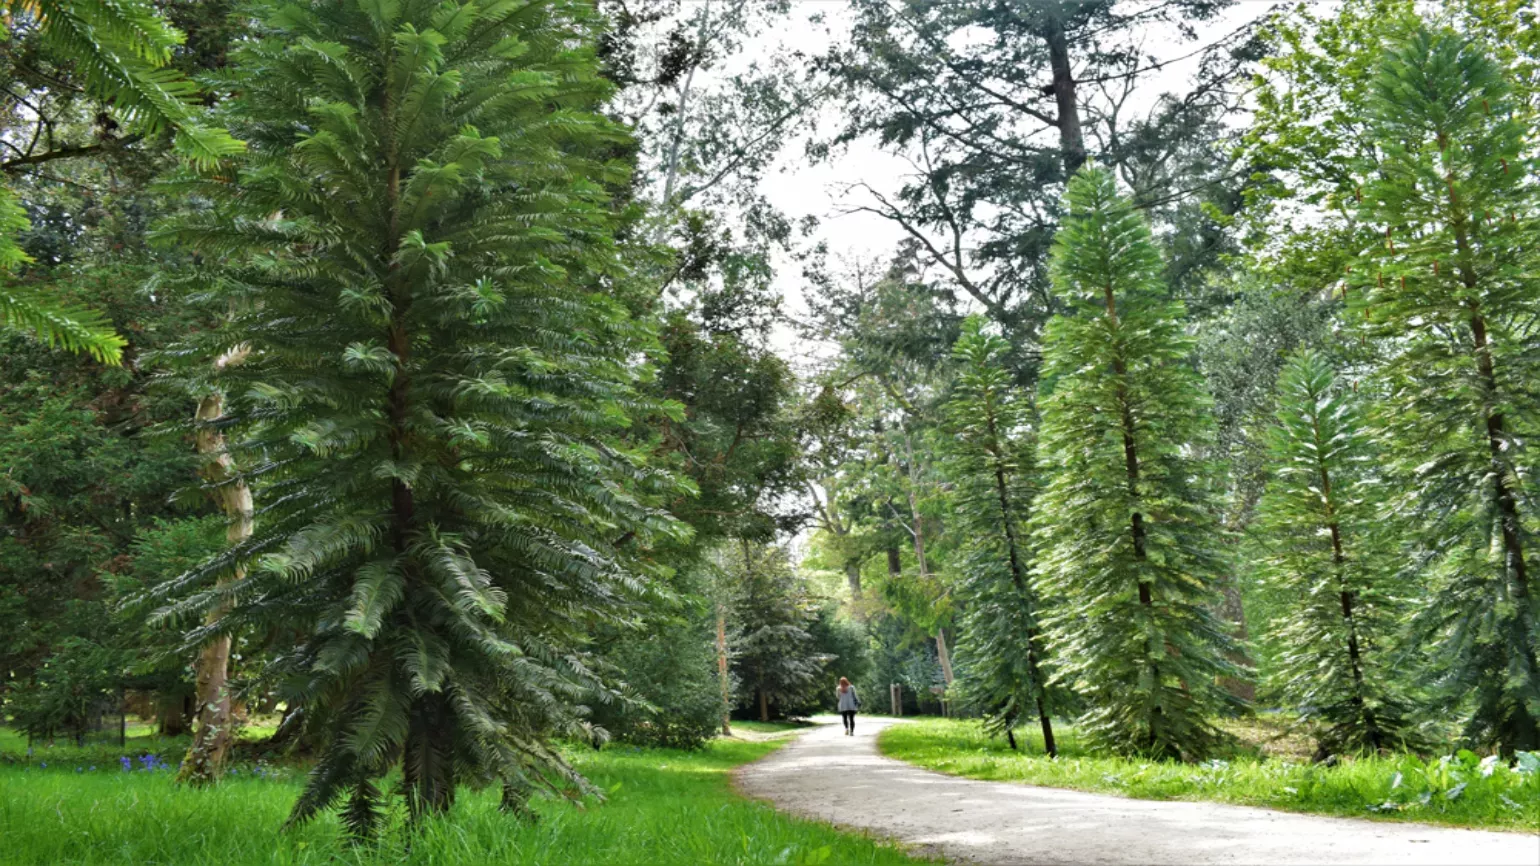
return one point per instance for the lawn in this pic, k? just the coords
(1461, 790)
(662, 807)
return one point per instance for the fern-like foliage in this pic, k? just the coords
(119, 51)
(990, 462)
(1453, 290)
(417, 249)
(1331, 567)
(1130, 550)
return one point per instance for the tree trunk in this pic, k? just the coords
(1071, 140)
(1136, 517)
(205, 759)
(1516, 567)
(853, 578)
(681, 110)
(764, 706)
(944, 657)
(722, 677)
(895, 563)
(1346, 597)
(1019, 578)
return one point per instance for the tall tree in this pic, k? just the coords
(1452, 289)
(775, 658)
(991, 467)
(995, 105)
(418, 250)
(1130, 543)
(1330, 563)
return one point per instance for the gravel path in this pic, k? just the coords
(843, 780)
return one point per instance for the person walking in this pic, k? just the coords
(849, 702)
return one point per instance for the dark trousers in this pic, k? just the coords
(850, 719)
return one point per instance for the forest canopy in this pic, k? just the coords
(448, 384)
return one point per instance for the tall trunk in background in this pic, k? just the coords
(722, 678)
(764, 706)
(205, 758)
(918, 532)
(1071, 139)
(682, 109)
(943, 656)
(853, 578)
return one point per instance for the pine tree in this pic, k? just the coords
(990, 444)
(1329, 566)
(1454, 291)
(1129, 545)
(417, 251)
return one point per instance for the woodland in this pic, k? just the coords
(423, 401)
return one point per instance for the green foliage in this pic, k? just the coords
(432, 416)
(1330, 563)
(117, 52)
(81, 478)
(70, 327)
(70, 691)
(1126, 525)
(1460, 790)
(669, 672)
(990, 446)
(774, 656)
(1452, 293)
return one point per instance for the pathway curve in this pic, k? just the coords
(843, 780)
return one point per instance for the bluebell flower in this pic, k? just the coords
(128, 764)
(44, 765)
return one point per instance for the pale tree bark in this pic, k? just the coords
(727, 698)
(212, 731)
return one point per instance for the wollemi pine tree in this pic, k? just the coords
(990, 464)
(1454, 291)
(1330, 566)
(1129, 545)
(416, 251)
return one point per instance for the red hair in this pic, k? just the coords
(844, 684)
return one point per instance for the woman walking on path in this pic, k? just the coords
(849, 702)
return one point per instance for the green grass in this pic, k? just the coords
(1458, 791)
(663, 807)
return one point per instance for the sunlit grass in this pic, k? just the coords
(663, 807)
(1457, 792)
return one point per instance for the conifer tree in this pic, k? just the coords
(418, 251)
(1454, 291)
(990, 455)
(1329, 566)
(1129, 544)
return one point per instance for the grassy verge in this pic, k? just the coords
(1459, 791)
(663, 807)
(770, 727)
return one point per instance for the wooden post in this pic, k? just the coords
(896, 698)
